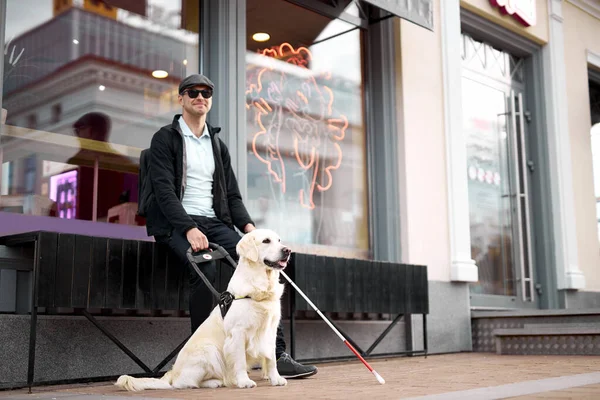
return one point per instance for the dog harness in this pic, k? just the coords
(226, 300)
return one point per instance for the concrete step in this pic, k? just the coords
(552, 329)
(549, 339)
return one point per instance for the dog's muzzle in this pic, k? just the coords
(282, 262)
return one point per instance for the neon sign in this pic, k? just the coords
(522, 10)
(295, 110)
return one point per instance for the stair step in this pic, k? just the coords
(563, 325)
(556, 324)
(549, 339)
(548, 331)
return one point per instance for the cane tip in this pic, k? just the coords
(379, 378)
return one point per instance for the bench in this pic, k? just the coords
(83, 272)
(344, 285)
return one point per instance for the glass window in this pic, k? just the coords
(83, 96)
(306, 129)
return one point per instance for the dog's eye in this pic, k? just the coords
(267, 240)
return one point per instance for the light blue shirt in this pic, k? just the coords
(198, 198)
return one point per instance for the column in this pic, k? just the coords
(222, 59)
(462, 267)
(563, 205)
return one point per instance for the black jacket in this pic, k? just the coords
(165, 212)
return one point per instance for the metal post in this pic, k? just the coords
(2, 29)
(33, 319)
(408, 333)
(95, 193)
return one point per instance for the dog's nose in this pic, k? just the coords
(287, 251)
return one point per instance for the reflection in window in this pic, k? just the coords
(79, 73)
(305, 129)
(56, 113)
(488, 170)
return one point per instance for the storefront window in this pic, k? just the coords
(85, 86)
(305, 128)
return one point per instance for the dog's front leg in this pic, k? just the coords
(271, 368)
(234, 349)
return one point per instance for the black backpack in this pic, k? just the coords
(145, 192)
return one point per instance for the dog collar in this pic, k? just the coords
(226, 300)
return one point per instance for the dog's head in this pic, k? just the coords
(264, 246)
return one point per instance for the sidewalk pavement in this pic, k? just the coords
(462, 376)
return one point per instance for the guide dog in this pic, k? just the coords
(220, 351)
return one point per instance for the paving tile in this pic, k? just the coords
(405, 377)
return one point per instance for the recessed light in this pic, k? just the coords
(101, 88)
(160, 74)
(75, 41)
(184, 62)
(261, 37)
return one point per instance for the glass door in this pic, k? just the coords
(494, 125)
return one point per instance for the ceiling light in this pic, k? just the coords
(101, 88)
(160, 74)
(75, 41)
(184, 62)
(261, 37)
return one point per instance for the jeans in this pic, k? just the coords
(201, 298)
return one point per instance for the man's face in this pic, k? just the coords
(195, 106)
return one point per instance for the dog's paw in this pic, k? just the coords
(246, 383)
(278, 381)
(212, 384)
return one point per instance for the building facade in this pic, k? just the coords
(461, 136)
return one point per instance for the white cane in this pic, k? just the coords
(379, 378)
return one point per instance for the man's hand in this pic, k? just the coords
(249, 228)
(197, 239)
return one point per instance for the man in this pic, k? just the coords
(197, 200)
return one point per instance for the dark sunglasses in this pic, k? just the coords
(193, 93)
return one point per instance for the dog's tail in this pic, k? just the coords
(136, 384)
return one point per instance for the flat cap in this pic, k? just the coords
(194, 80)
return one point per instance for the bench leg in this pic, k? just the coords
(348, 338)
(116, 341)
(384, 334)
(33, 319)
(32, 337)
(170, 356)
(408, 333)
(425, 334)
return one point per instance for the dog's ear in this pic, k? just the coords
(246, 247)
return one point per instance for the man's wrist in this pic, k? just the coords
(249, 228)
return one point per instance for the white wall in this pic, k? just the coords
(422, 152)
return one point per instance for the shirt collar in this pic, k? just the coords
(185, 129)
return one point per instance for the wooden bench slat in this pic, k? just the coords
(98, 273)
(129, 269)
(64, 270)
(143, 298)
(47, 249)
(114, 274)
(82, 262)
(160, 277)
(172, 279)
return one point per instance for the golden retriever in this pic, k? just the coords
(221, 350)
